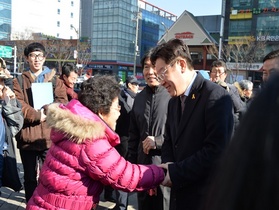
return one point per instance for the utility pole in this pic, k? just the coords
(222, 28)
(76, 51)
(15, 54)
(166, 31)
(136, 47)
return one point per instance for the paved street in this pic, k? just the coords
(10, 200)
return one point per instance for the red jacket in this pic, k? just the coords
(82, 159)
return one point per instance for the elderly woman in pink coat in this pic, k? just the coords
(82, 158)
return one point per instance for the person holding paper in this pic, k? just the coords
(33, 140)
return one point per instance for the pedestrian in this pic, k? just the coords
(245, 87)
(218, 75)
(33, 140)
(270, 63)
(11, 121)
(126, 101)
(195, 136)
(69, 77)
(247, 177)
(82, 158)
(148, 117)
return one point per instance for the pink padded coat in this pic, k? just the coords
(82, 159)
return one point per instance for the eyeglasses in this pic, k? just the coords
(33, 56)
(161, 77)
(136, 84)
(218, 72)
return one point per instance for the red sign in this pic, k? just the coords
(184, 35)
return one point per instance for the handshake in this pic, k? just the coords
(167, 181)
(148, 144)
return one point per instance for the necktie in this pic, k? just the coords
(182, 99)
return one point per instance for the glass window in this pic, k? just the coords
(72, 15)
(240, 28)
(58, 11)
(268, 4)
(58, 23)
(241, 3)
(72, 3)
(268, 25)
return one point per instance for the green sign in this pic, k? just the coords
(6, 51)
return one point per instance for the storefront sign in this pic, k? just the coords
(244, 66)
(255, 11)
(268, 38)
(184, 35)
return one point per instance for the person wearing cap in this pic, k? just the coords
(126, 101)
(132, 84)
(148, 117)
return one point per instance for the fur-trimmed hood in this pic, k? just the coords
(78, 123)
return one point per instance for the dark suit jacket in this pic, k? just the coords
(195, 142)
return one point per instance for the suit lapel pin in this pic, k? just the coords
(193, 96)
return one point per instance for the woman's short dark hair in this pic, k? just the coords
(33, 47)
(67, 68)
(98, 92)
(171, 50)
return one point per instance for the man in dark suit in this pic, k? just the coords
(196, 136)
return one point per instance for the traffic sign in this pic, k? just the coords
(6, 51)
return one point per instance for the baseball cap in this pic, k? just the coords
(132, 79)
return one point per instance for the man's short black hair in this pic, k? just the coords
(271, 55)
(33, 47)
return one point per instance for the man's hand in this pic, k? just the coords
(167, 181)
(148, 144)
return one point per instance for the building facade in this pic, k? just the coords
(252, 21)
(198, 39)
(53, 18)
(5, 19)
(121, 32)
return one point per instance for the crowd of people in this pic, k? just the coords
(188, 141)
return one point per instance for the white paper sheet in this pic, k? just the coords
(42, 94)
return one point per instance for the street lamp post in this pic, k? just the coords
(76, 51)
(136, 47)
(222, 29)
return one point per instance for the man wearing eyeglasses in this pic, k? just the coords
(195, 136)
(33, 140)
(218, 75)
